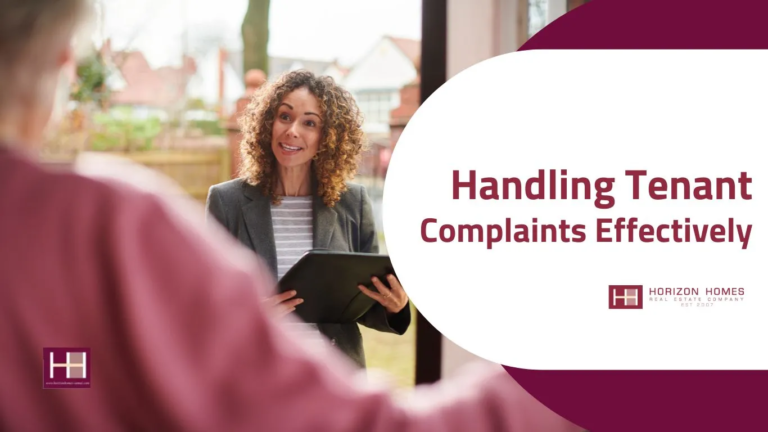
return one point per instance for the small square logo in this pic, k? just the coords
(625, 297)
(66, 368)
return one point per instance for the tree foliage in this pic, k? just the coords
(91, 81)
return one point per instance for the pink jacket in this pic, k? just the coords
(178, 336)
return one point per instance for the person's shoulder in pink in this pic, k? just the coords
(179, 339)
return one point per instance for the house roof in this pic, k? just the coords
(144, 85)
(410, 47)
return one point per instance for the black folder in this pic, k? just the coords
(327, 281)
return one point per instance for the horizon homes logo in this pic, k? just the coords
(625, 296)
(66, 368)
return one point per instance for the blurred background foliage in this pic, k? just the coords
(120, 130)
(91, 81)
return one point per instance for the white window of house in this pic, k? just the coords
(537, 16)
(376, 105)
(543, 12)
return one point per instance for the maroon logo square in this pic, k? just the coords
(66, 368)
(625, 297)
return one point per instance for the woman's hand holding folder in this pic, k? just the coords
(393, 298)
(284, 303)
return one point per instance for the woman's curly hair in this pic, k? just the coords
(341, 143)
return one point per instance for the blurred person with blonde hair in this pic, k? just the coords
(171, 312)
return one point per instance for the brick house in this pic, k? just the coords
(133, 82)
(410, 100)
(376, 82)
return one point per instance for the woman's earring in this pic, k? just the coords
(315, 156)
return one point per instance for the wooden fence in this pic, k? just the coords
(195, 170)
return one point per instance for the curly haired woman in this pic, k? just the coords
(301, 140)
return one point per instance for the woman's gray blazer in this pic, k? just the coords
(349, 226)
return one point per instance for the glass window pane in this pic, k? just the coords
(537, 16)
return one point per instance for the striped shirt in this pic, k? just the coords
(292, 225)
